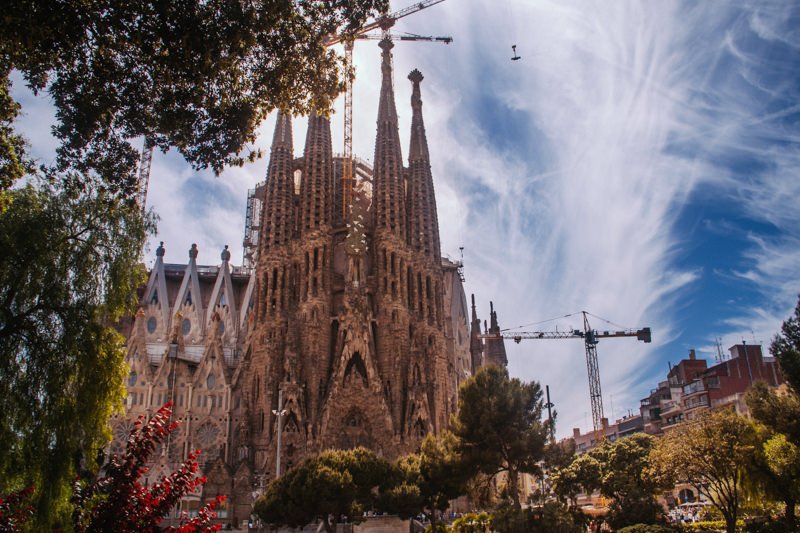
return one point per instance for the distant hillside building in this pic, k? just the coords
(348, 328)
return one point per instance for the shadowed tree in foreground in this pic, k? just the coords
(778, 413)
(196, 76)
(69, 270)
(499, 425)
(331, 485)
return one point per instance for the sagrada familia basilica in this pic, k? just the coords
(347, 327)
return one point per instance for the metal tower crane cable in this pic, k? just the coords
(384, 23)
(590, 338)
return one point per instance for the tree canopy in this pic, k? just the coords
(499, 424)
(621, 471)
(786, 349)
(777, 459)
(713, 453)
(333, 484)
(69, 270)
(197, 76)
(429, 479)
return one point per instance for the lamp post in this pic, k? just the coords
(280, 413)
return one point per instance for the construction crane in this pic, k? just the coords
(590, 338)
(384, 23)
(144, 174)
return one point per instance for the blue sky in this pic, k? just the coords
(640, 161)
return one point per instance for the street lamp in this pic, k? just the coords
(280, 412)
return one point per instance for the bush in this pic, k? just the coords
(709, 525)
(472, 523)
(507, 519)
(769, 527)
(633, 512)
(647, 528)
(555, 517)
(438, 527)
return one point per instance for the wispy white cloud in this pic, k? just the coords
(564, 174)
(628, 104)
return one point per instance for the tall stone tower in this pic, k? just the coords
(346, 328)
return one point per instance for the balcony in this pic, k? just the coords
(670, 408)
(696, 403)
(694, 387)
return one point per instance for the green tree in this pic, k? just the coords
(69, 270)
(712, 453)
(14, 163)
(581, 475)
(334, 484)
(429, 479)
(499, 425)
(195, 75)
(559, 454)
(778, 413)
(628, 480)
(786, 349)
(622, 472)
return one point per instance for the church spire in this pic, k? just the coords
(496, 353)
(389, 190)
(475, 345)
(279, 219)
(317, 185)
(423, 220)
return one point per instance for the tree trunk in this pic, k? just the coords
(513, 488)
(730, 524)
(789, 515)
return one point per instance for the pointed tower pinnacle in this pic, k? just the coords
(419, 144)
(475, 344)
(423, 220)
(317, 185)
(279, 220)
(389, 190)
(496, 352)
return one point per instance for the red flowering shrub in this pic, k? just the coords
(118, 502)
(15, 509)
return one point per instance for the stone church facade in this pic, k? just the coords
(348, 329)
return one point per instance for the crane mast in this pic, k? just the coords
(384, 23)
(590, 339)
(144, 174)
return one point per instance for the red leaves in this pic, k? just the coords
(15, 509)
(118, 501)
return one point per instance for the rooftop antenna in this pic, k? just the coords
(720, 357)
(516, 56)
